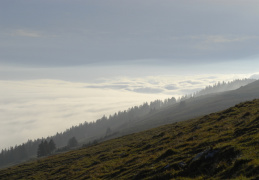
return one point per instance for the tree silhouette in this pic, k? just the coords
(46, 148)
(41, 149)
(52, 146)
(72, 142)
(108, 131)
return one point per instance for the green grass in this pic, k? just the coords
(166, 152)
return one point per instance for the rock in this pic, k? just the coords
(167, 166)
(182, 164)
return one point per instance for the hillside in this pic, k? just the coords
(223, 145)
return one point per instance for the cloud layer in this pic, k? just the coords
(39, 108)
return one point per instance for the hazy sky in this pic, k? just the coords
(114, 54)
(106, 32)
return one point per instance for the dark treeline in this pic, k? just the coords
(46, 148)
(89, 132)
(219, 87)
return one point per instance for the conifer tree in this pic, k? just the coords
(52, 146)
(72, 142)
(46, 148)
(41, 149)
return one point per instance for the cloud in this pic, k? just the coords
(171, 87)
(17, 123)
(229, 45)
(190, 91)
(113, 86)
(208, 77)
(40, 108)
(26, 33)
(148, 90)
(223, 38)
(190, 82)
(139, 87)
(215, 38)
(255, 76)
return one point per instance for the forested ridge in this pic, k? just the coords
(89, 133)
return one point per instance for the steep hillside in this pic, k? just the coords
(222, 145)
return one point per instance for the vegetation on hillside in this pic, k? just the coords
(222, 145)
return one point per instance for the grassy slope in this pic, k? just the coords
(229, 140)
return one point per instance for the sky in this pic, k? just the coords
(63, 62)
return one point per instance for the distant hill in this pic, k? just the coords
(197, 106)
(223, 145)
(223, 86)
(139, 118)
